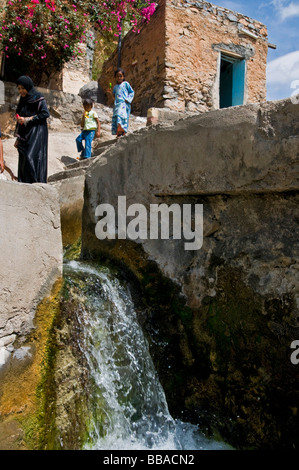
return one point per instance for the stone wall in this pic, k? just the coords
(31, 257)
(221, 319)
(143, 59)
(71, 196)
(174, 62)
(77, 72)
(196, 32)
(30, 279)
(65, 112)
(74, 74)
(236, 151)
(65, 109)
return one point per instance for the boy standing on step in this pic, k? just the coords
(91, 128)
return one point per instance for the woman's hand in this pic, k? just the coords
(20, 120)
(23, 120)
(2, 166)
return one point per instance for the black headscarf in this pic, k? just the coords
(33, 94)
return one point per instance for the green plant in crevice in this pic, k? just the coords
(73, 251)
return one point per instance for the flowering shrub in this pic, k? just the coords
(39, 36)
(109, 15)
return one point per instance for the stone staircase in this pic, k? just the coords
(75, 167)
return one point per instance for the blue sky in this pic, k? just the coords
(282, 20)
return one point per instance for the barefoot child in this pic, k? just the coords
(91, 128)
(123, 97)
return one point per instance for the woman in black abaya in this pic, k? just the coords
(32, 133)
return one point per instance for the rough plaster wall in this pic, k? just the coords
(238, 151)
(77, 72)
(143, 59)
(31, 255)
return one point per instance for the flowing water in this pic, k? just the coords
(128, 405)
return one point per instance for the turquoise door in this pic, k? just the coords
(238, 83)
(232, 82)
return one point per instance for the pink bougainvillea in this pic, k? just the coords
(50, 31)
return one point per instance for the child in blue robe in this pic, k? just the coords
(123, 97)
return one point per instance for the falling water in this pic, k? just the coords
(128, 404)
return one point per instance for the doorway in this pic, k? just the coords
(232, 81)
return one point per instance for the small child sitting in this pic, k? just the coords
(91, 128)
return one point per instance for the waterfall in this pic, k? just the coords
(128, 406)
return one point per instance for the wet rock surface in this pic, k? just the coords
(221, 319)
(224, 315)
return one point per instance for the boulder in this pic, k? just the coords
(90, 91)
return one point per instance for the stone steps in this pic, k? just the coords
(75, 167)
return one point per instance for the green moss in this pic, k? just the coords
(36, 424)
(40, 426)
(47, 396)
(73, 251)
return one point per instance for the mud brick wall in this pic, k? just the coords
(143, 59)
(174, 62)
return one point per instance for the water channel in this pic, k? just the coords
(128, 404)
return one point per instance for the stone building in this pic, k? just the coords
(193, 56)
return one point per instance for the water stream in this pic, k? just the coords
(128, 405)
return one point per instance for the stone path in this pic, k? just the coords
(62, 146)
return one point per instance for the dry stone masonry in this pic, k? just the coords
(182, 60)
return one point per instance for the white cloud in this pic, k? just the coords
(285, 69)
(290, 11)
(286, 11)
(283, 76)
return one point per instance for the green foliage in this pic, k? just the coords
(39, 36)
